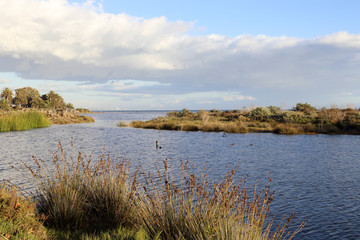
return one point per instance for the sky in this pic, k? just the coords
(168, 55)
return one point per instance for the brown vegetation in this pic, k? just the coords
(302, 119)
(81, 194)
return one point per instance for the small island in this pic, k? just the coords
(302, 119)
(27, 109)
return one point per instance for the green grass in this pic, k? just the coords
(19, 121)
(84, 197)
(18, 218)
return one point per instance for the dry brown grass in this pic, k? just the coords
(194, 207)
(81, 193)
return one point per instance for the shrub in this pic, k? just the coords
(186, 113)
(203, 116)
(259, 113)
(274, 110)
(304, 107)
(18, 218)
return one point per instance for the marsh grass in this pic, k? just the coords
(122, 124)
(80, 193)
(197, 208)
(84, 197)
(18, 121)
(307, 120)
(18, 218)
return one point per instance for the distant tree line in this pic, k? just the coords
(28, 97)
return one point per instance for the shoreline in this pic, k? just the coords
(21, 120)
(260, 120)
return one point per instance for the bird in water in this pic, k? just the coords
(251, 144)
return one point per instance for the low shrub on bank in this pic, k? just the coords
(84, 198)
(18, 218)
(18, 121)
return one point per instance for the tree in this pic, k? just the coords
(7, 94)
(5, 105)
(70, 105)
(27, 97)
(54, 100)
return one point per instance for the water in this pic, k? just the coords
(318, 177)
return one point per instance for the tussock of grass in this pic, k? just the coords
(82, 194)
(18, 121)
(87, 198)
(18, 219)
(122, 124)
(288, 129)
(197, 208)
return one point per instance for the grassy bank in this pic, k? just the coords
(302, 119)
(30, 119)
(83, 197)
(64, 117)
(18, 121)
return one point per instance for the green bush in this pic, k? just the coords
(18, 218)
(259, 113)
(305, 108)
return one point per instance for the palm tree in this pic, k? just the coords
(7, 94)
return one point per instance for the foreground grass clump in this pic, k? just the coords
(194, 207)
(18, 121)
(79, 194)
(18, 218)
(302, 119)
(87, 198)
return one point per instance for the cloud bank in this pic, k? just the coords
(57, 40)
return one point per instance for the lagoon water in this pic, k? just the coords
(318, 177)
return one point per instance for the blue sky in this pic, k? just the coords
(183, 54)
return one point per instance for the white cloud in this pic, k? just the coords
(238, 98)
(4, 81)
(57, 40)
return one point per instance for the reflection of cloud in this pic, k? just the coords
(3, 81)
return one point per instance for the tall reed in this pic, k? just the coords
(18, 121)
(94, 195)
(197, 208)
(80, 193)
